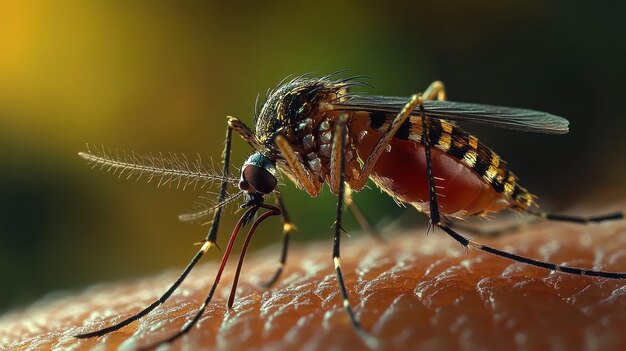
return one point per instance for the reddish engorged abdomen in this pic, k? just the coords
(402, 172)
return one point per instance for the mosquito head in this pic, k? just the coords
(258, 174)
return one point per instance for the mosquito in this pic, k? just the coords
(313, 130)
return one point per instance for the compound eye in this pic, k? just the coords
(243, 185)
(257, 178)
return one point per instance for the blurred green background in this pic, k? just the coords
(162, 76)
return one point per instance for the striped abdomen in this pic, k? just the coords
(471, 178)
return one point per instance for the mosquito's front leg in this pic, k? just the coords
(200, 311)
(245, 133)
(212, 235)
(211, 240)
(288, 228)
(296, 167)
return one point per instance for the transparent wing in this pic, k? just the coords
(497, 116)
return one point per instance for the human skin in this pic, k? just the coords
(414, 292)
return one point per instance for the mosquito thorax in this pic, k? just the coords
(291, 104)
(258, 174)
(299, 111)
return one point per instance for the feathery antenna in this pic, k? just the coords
(170, 169)
(207, 209)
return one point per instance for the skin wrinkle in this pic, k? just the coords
(417, 291)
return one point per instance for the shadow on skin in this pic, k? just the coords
(415, 292)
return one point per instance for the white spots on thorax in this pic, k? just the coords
(326, 138)
(307, 123)
(314, 141)
(325, 150)
(324, 126)
(308, 142)
(316, 165)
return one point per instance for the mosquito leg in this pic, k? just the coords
(364, 223)
(273, 211)
(187, 327)
(335, 180)
(435, 216)
(530, 261)
(384, 141)
(302, 177)
(211, 237)
(496, 232)
(210, 241)
(337, 165)
(538, 215)
(295, 170)
(153, 305)
(580, 219)
(288, 228)
(436, 90)
(336, 170)
(436, 221)
(245, 133)
(299, 175)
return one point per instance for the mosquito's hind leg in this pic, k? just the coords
(435, 219)
(580, 219)
(537, 217)
(505, 229)
(398, 121)
(211, 240)
(436, 90)
(288, 228)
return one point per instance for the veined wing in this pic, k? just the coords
(497, 116)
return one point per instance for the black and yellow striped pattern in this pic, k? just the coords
(463, 146)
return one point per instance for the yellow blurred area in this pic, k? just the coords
(78, 63)
(162, 76)
(148, 76)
